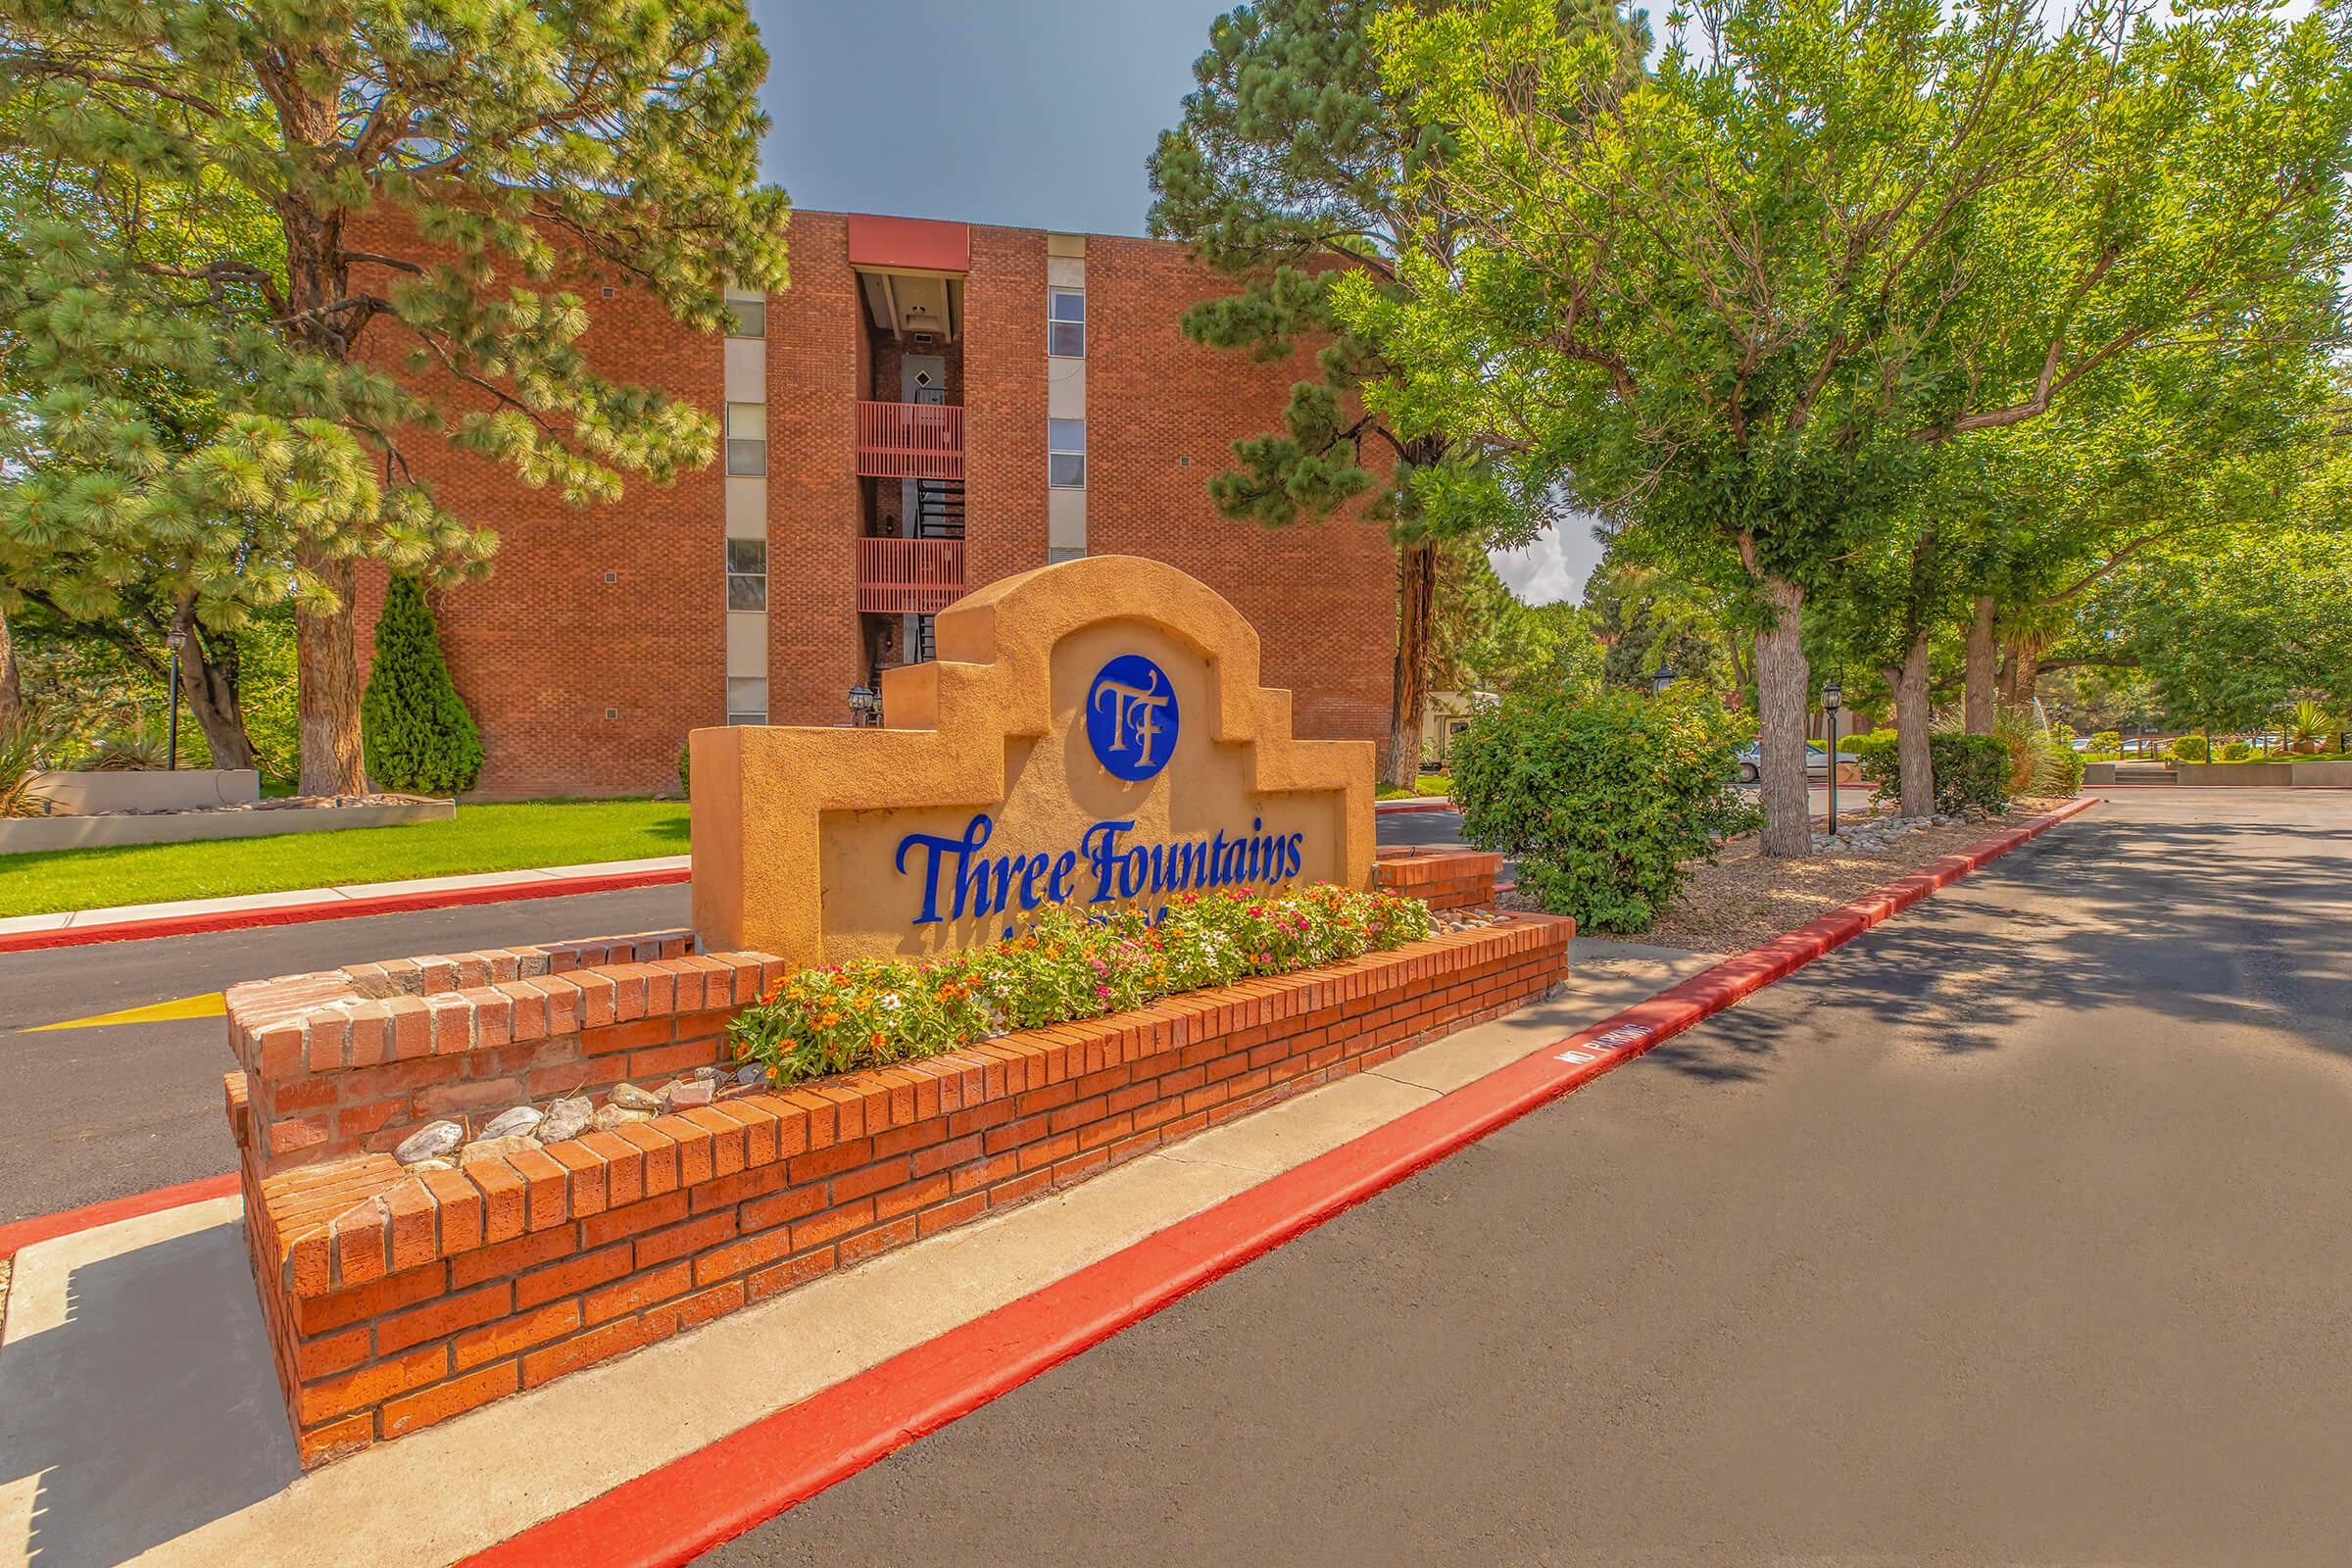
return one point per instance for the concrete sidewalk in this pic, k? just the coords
(138, 1413)
(355, 892)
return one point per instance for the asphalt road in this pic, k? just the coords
(93, 1113)
(2012, 1232)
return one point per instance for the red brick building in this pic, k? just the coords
(929, 408)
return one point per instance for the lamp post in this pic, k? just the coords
(1831, 696)
(178, 640)
(1660, 679)
(865, 706)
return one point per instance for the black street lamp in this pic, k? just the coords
(865, 706)
(178, 640)
(1831, 696)
(1662, 679)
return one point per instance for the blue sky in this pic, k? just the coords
(1036, 114)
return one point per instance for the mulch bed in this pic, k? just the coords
(1744, 899)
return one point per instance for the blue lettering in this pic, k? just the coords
(1031, 870)
(1055, 889)
(1099, 845)
(975, 834)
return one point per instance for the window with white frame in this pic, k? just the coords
(747, 699)
(1065, 453)
(746, 574)
(747, 438)
(751, 316)
(1065, 324)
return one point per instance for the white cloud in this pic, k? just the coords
(1554, 568)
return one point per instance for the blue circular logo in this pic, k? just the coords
(1131, 717)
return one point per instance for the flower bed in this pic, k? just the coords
(399, 1298)
(1065, 966)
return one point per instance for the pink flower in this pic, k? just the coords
(1101, 991)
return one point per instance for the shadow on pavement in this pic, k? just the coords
(2210, 922)
(150, 1410)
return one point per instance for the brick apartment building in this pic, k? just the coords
(930, 406)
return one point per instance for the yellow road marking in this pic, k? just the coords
(208, 1006)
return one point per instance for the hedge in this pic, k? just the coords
(1969, 770)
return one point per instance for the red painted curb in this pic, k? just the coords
(680, 1510)
(18, 1235)
(180, 925)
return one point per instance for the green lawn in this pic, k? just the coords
(1428, 784)
(480, 838)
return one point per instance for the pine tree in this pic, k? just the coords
(420, 737)
(1291, 153)
(487, 147)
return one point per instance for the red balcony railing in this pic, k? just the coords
(911, 440)
(898, 575)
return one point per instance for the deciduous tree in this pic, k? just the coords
(1733, 307)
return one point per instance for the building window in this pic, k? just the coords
(1065, 324)
(747, 438)
(747, 699)
(746, 574)
(1065, 453)
(751, 317)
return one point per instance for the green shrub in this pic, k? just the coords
(2237, 751)
(2061, 771)
(2189, 748)
(1600, 799)
(1969, 769)
(685, 780)
(2095, 754)
(1066, 965)
(415, 730)
(2108, 740)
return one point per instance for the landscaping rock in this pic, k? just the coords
(608, 1117)
(419, 1168)
(716, 1075)
(687, 1093)
(629, 1096)
(519, 1122)
(488, 1148)
(751, 1073)
(429, 1141)
(567, 1119)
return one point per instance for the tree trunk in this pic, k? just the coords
(327, 680)
(1783, 685)
(2024, 673)
(1416, 602)
(1984, 654)
(1913, 767)
(208, 676)
(12, 688)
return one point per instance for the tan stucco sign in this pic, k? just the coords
(1091, 734)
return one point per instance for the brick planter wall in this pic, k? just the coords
(396, 1300)
(1442, 878)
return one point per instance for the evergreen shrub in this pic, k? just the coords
(1601, 799)
(414, 731)
(2189, 748)
(1969, 769)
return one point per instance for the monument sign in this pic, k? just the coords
(1091, 734)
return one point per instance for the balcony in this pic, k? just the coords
(896, 577)
(911, 440)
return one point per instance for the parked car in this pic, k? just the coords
(1817, 762)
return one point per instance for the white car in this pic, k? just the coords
(1817, 762)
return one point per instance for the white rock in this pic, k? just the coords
(687, 1093)
(429, 1141)
(608, 1117)
(629, 1096)
(519, 1122)
(566, 1118)
(488, 1148)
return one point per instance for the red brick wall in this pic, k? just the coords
(1322, 595)
(1004, 405)
(396, 1300)
(814, 330)
(545, 648)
